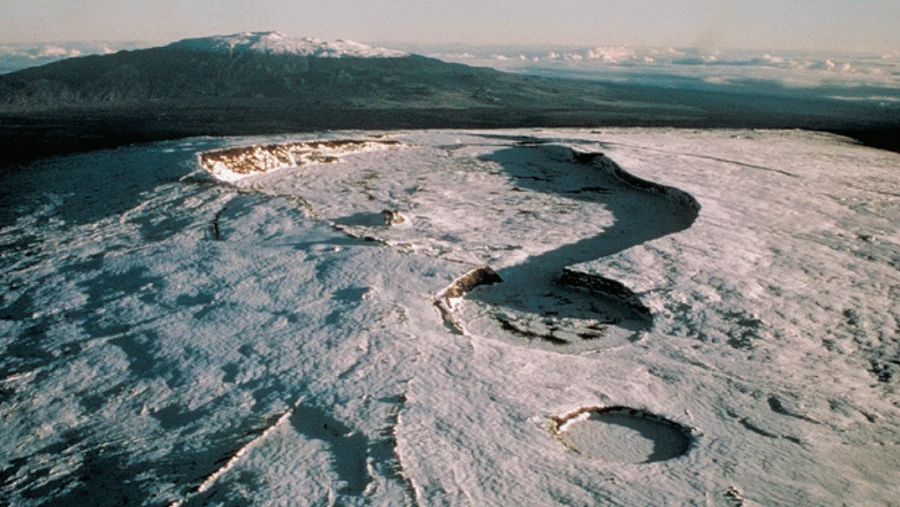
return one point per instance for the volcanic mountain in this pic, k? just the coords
(266, 82)
(269, 65)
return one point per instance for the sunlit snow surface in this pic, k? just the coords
(169, 338)
(280, 44)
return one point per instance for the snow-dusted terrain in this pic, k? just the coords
(278, 43)
(625, 317)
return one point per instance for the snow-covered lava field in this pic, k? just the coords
(531, 317)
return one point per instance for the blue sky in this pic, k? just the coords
(866, 25)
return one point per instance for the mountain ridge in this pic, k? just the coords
(186, 72)
(103, 101)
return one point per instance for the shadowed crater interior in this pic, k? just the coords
(542, 299)
(622, 435)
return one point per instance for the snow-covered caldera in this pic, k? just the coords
(280, 44)
(533, 317)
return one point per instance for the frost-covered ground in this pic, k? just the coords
(697, 317)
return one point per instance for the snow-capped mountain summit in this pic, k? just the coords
(278, 43)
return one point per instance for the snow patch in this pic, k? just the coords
(279, 44)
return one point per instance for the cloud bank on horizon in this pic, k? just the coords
(14, 57)
(849, 76)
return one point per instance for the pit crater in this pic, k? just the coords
(622, 435)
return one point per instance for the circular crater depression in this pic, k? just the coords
(622, 435)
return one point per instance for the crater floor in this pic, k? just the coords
(626, 316)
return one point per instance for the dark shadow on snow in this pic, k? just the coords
(349, 448)
(642, 211)
(670, 439)
(96, 185)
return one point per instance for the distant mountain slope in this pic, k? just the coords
(309, 71)
(18, 56)
(266, 83)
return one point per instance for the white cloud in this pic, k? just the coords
(52, 51)
(773, 59)
(611, 54)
